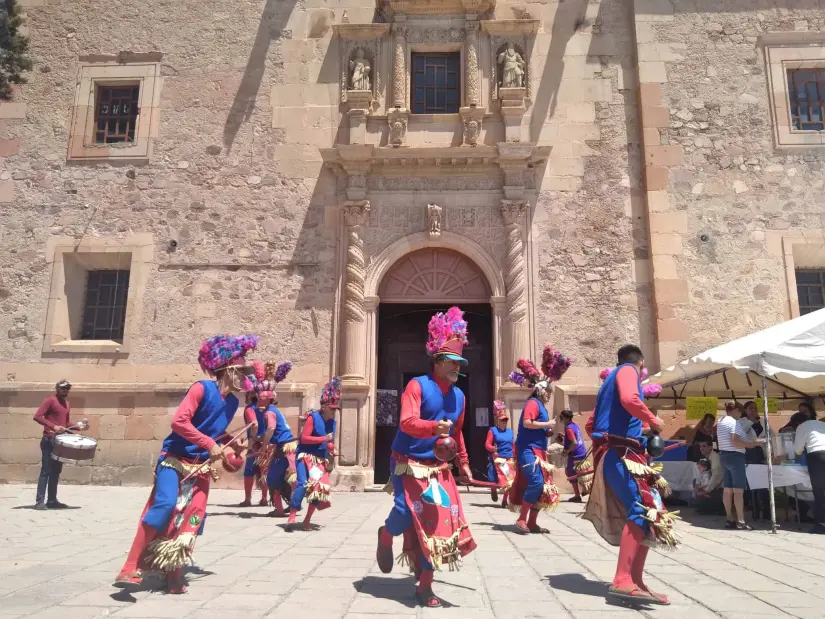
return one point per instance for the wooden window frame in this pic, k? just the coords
(114, 72)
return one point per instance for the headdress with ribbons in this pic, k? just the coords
(500, 410)
(267, 377)
(331, 393)
(222, 351)
(553, 366)
(447, 335)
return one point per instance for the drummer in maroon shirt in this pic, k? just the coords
(53, 415)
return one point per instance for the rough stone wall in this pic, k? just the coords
(224, 181)
(591, 290)
(724, 196)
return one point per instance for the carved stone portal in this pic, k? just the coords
(434, 220)
(515, 279)
(354, 359)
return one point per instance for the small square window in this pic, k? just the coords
(436, 83)
(116, 113)
(810, 289)
(806, 95)
(104, 310)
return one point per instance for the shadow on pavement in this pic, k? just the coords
(576, 583)
(402, 591)
(51, 509)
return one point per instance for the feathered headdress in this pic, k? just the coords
(447, 334)
(272, 375)
(221, 351)
(553, 366)
(651, 390)
(331, 393)
(500, 410)
(604, 374)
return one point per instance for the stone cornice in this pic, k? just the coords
(511, 27)
(360, 32)
(372, 159)
(436, 7)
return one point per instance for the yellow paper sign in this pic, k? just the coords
(773, 405)
(696, 408)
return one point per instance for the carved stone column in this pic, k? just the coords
(353, 361)
(513, 212)
(399, 65)
(473, 86)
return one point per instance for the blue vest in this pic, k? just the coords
(435, 406)
(282, 433)
(320, 427)
(213, 416)
(611, 417)
(580, 450)
(532, 439)
(504, 441)
(260, 417)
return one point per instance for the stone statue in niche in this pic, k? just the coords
(434, 220)
(512, 68)
(471, 131)
(360, 71)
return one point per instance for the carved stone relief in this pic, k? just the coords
(512, 67)
(360, 71)
(434, 220)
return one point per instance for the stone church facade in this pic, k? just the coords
(318, 171)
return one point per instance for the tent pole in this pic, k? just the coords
(770, 454)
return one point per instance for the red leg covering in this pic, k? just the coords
(175, 583)
(277, 503)
(521, 523)
(248, 484)
(576, 491)
(632, 537)
(292, 513)
(531, 521)
(308, 517)
(385, 537)
(144, 535)
(426, 581)
(264, 495)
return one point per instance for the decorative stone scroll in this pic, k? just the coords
(398, 119)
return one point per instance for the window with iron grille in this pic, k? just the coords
(806, 91)
(116, 112)
(436, 83)
(104, 312)
(810, 288)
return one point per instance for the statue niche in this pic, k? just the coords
(360, 71)
(513, 68)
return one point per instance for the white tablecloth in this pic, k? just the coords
(783, 475)
(680, 474)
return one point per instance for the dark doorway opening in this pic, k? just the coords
(402, 335)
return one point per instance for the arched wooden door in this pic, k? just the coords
(417, 286)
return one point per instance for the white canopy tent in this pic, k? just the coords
(790, 357)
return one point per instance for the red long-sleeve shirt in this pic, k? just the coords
(53, 412)
(250, 416)
(490, 443)
(412, 424)
(627, 382)
(182, 421)
(309, 439)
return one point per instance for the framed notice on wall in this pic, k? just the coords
(482, 417)
(386, 407)
(696, 408)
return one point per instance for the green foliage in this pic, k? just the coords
(14, 48)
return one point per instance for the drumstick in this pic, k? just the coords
(227, 444)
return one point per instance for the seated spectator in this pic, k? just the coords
(711, 502)
(701, 483)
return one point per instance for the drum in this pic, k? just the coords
(73, 447)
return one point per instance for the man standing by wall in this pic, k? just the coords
(53, 415)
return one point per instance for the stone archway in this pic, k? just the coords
(432, 275)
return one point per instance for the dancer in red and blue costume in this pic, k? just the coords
(316, 448)
(533, 489)
(280, 454)
(262, 426)
(502, 466)
(625, 504)
(175, 512)
(427, 508)
(575, 450)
